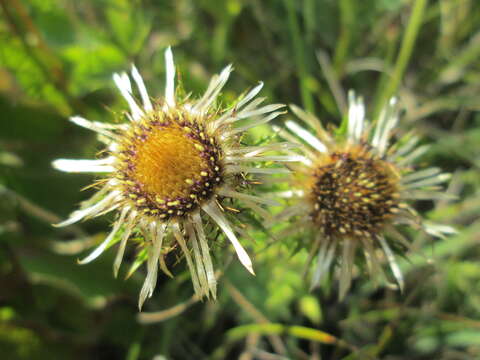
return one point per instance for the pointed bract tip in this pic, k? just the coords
(57, 164)
(250, 269)
(134, 70)
(64, 223)
(168, 53)
(77, 120)
(227, 70)
(116, 77)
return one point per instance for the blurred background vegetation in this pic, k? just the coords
(56, 60)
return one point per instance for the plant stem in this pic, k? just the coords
(299, 55)
(404, 55)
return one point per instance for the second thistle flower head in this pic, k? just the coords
(169, 169)
(354, 186)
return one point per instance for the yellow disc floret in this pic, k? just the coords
(168, 164)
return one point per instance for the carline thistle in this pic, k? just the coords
(353, 187)
(168, 170)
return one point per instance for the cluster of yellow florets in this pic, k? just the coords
(168, 163)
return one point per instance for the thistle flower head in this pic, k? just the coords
(354, 186)
(169, 168)
(168, 163)
(353, 192)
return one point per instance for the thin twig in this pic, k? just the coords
(40, 213)
(250, 309)
(159, 316)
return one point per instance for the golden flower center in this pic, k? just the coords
(169, 164)
(353, 194)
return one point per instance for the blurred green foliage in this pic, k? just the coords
(56, 60)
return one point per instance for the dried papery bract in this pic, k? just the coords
(168, 170)
(353, 187)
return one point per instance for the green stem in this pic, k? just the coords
(347, 23)
(309, 14)
(404, 55)
(299, 56)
